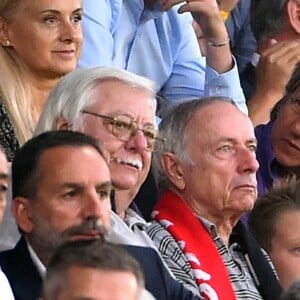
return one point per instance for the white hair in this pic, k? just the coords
(73, 92)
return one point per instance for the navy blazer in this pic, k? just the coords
(26, 282)
(21, 273)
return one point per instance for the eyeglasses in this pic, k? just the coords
(124, 128)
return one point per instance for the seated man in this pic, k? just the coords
(93, 269)
(274, 223)
(61, 191)
(278, 151)
(88, 100)
(205, 170)
(5, 289)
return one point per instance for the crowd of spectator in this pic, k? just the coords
(149, 149)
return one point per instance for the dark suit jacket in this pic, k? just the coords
(267, 283)
(21, 273)
(26, 282)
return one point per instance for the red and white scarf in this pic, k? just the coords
(196, 243)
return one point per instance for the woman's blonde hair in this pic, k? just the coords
(14, 94)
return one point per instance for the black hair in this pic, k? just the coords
(26, 162)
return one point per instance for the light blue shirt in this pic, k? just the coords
(159, 45)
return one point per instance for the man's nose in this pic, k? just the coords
(247, 161)
(295, 127)
(93, 207)
(137, 141)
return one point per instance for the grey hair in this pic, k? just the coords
(267, 17)
(172, 130)
(293, 292)
(73, 93)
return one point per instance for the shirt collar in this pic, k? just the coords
(133, 219)
(36, 261)
(209, 226)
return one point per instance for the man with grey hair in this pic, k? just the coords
(118, 109)
(205, 170)
(61, 192)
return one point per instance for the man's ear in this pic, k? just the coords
(173, 169)
(4, 39)
(293, 14)
(22, 212)
(61, 124)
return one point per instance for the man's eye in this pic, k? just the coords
(3, 188)
(103, 194)
(296, 250)
(149, 134)
(70, 194)
(224, 148)
(121, 125)
(252, 147)
(77, 18)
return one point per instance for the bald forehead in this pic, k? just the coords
(220, 119)
(219, 111)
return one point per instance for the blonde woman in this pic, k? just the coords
(40, 42)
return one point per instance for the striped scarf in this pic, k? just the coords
(207, 264)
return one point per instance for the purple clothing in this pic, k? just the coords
(269, 168)
(265, 156)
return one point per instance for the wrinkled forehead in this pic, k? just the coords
(113, 95)
(222, 119)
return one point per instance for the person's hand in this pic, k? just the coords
(206, 13)
(275, 68)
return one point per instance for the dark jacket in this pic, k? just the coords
(26, 282)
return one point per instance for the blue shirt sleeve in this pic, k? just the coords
(164, 49)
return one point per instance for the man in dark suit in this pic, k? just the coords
(61, 191)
